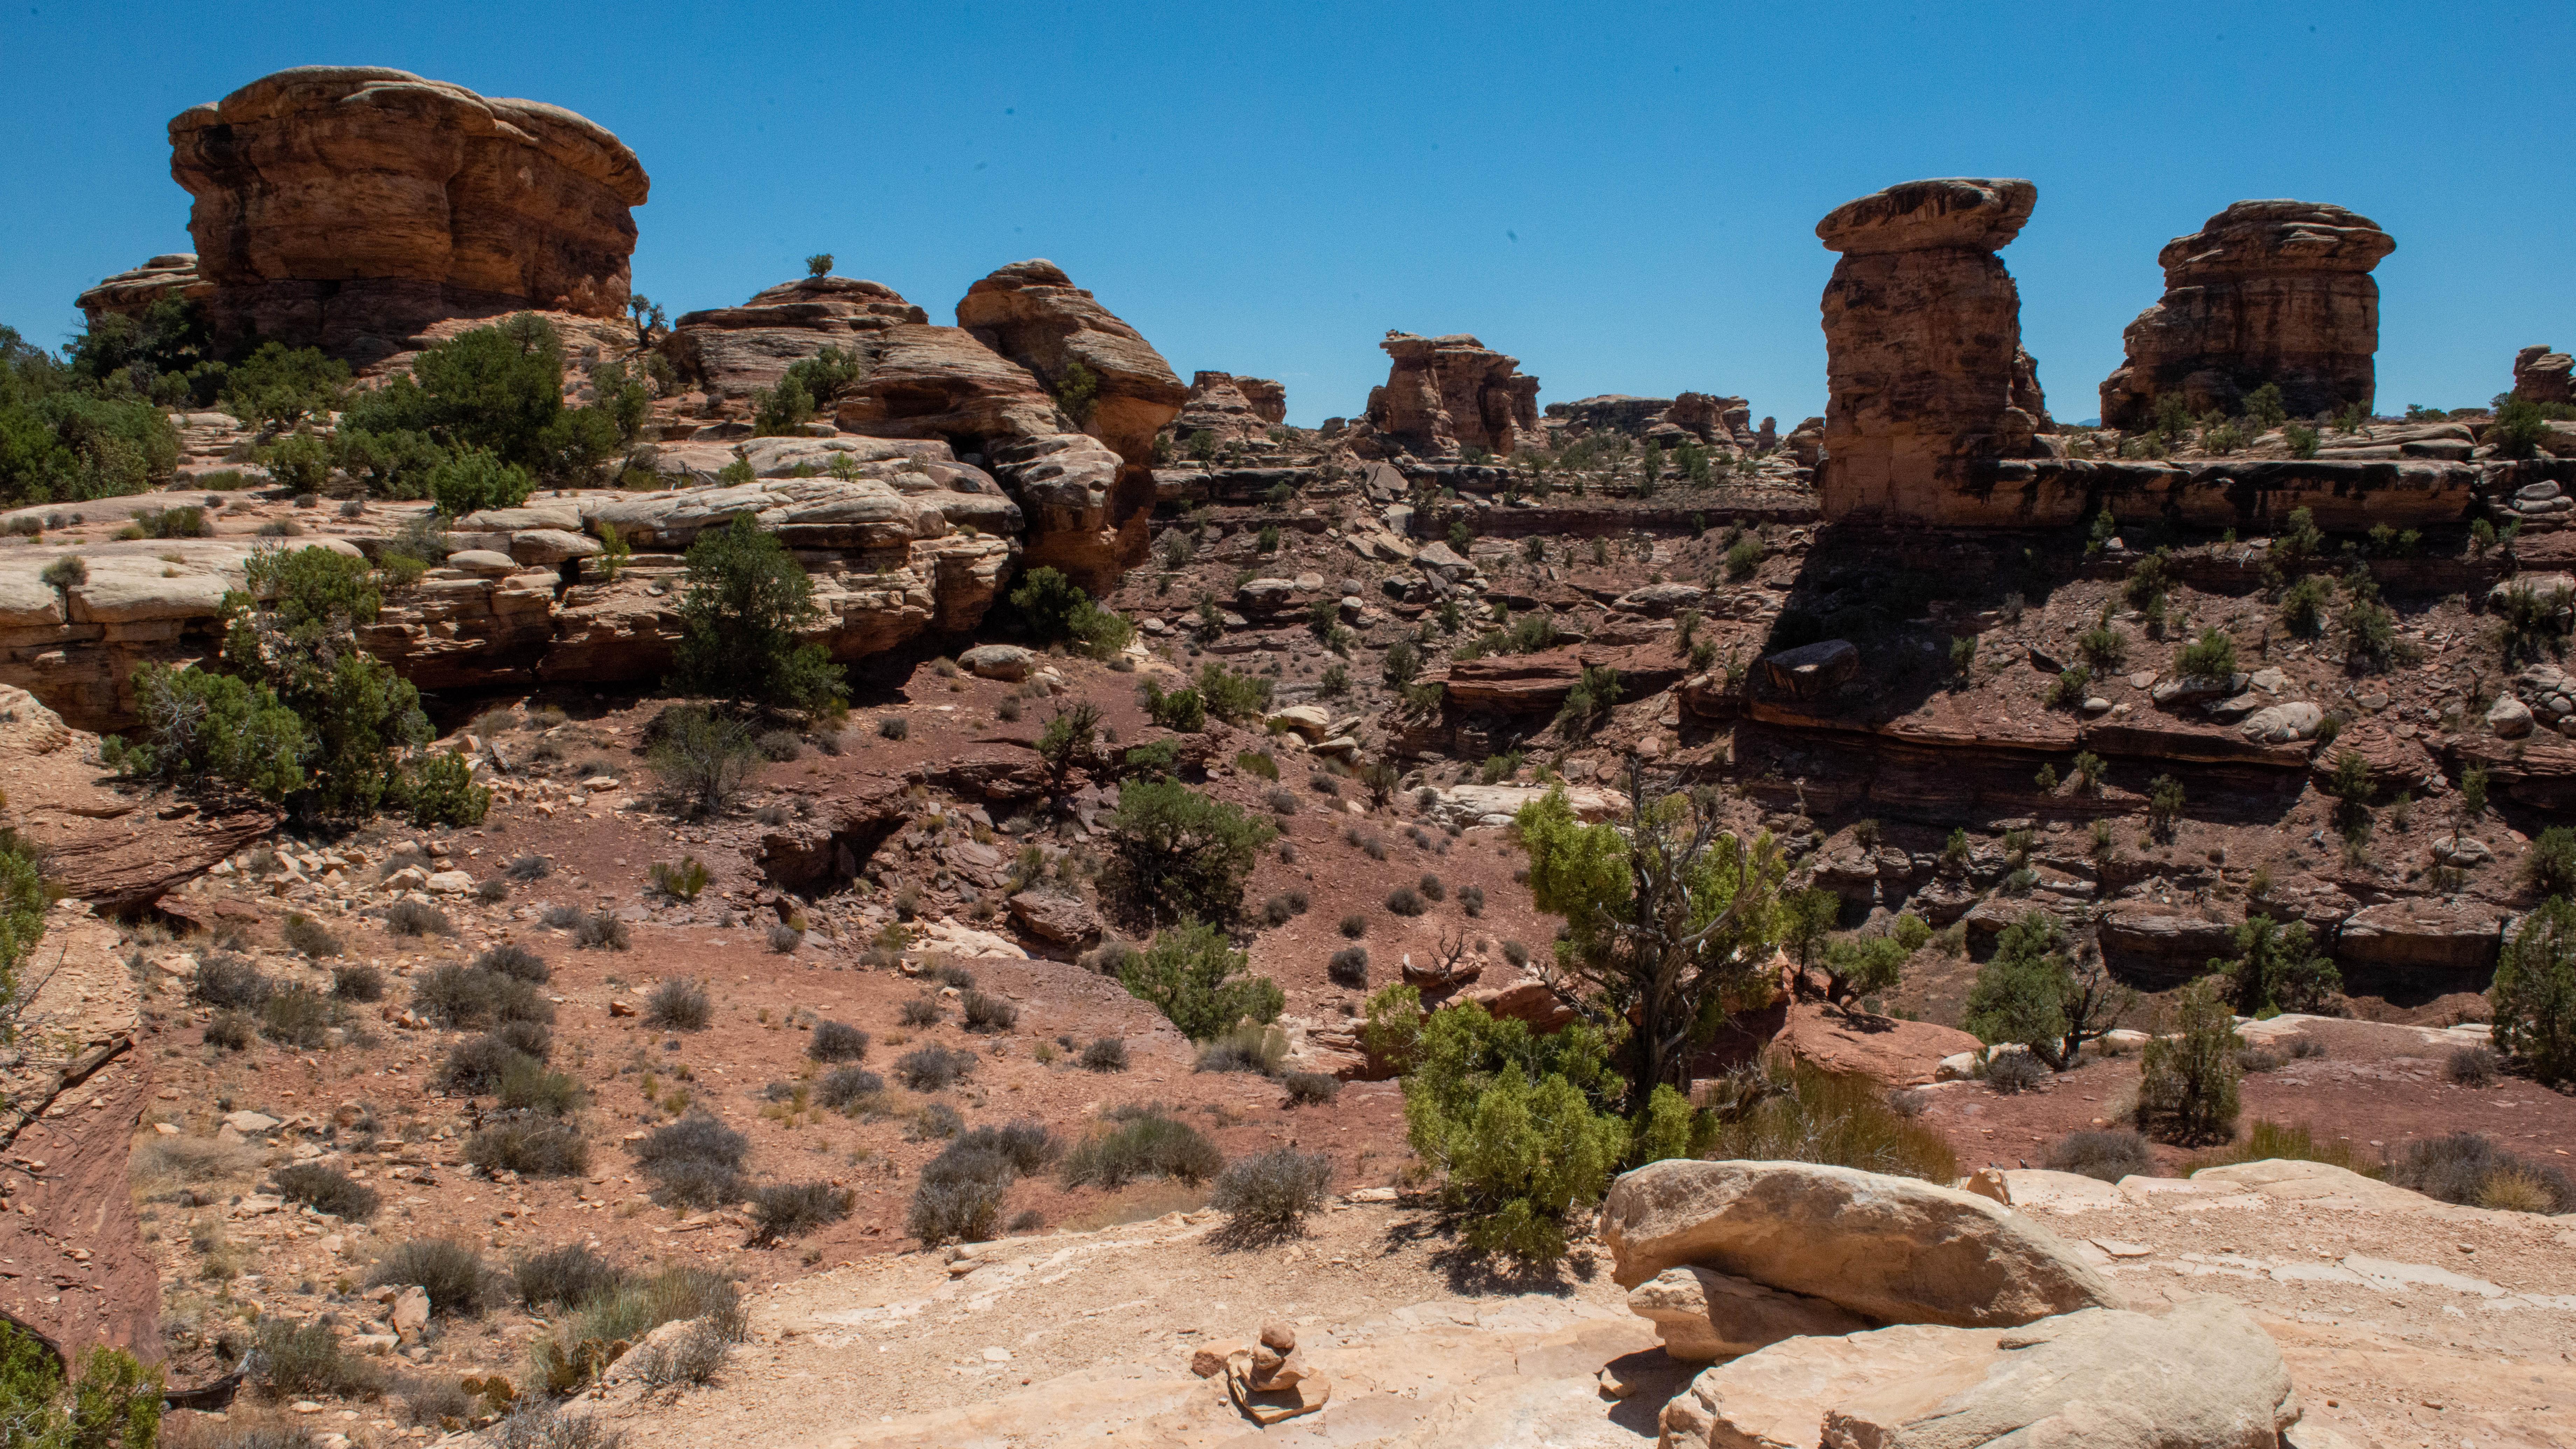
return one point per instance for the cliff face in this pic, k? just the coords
(2266, 292)
(348, 207)
(1924, 363)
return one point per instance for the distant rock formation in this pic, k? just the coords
(1228, 408)
(350, 207)
(1692, 417)
(1447, 394)
(132, 293)
(2542, 376)
(2265, 292)
(1925, 372)
(734, 352)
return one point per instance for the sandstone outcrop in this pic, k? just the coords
(115, 848)
(2204, 1375)
(1925, 372)
(349, 207)
(735, 351)
(1890, 1249)
(1445, 394)
(132, 293)
(2265, 292)
(1702, 1315)
(2539, 374)
(1228, 408)
(1692, 417)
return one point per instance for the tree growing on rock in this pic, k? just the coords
(748, 600)
(2277, 966)
(1663, 921)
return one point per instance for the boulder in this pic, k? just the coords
(1031, 313)
(131, 293)
(1444, 394)
(1926, 379)
(1703, 1316)
(1063, 920)
(2149, 939)
(1312, 721)
(1228, 408)
(1495, 805)
(2509, 718)
(1810, 670)
(2282, 724)
(1882, 1048)
(999, 661)
(2204, 1376)
(1891, 1249)
(2274, 292)
(2539, 374)
(1660, 600)
(736, 351)
(469, 207)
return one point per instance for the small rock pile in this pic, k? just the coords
(1269, 1381)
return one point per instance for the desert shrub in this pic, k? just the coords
(516, 962)
(2014, 1072)
(935, 1122)
(527, 868)
(2211, 656)
(1234, 698)
(742, 619)
(226, 980)
(426, 1403)
(784, 938)
(1181, 710)
(474, 1065)
(1311, 1088)
(682, 881)
(231, 1030)
(2108, 1156)
(1246, 1048)
(931, 1068)
(2274, 1140)
(2188, 1088)
(694, 1162)
(788, 1209)
(357, 982)
(1180, 853)
(2472, 1066)
(1782, 1110)
(1269, 1194)
(452, 1274)
(1471, 899)
(527, 1086)
(846, 1087)
(2469, 1169)
(1353, 926)
(1405, 901)
(2534, 993)
(326, 1190)
(1146, 1144)
(893, 727)
(952, 974)
(987, 1012)
(537, 1423)
(298, 1016)
(565, 1277)
(835, 1041)
(305, 934)
(304, 1360)
(1193, 977)
(679, 1004)
(530, 1144)
(919, 1011)
(704, 759)
(416, 918)
(528, 1038)
(1104, 1054)
(1349, 967)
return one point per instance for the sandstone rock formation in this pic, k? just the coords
(1890, 1249)
(117, 849)
(735, 351)
(2265, 292)
(348, 207)
(1449, 393)
(2539, 374)
(1702, 1315)
(1232, 409)
(2203, 1375)
(1695, 417)
(1926, 375)
(132, 293)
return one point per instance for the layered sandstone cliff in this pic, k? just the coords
(2266, 292)
(349, 207)
(1926, 375)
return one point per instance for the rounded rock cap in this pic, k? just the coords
(1962, 212)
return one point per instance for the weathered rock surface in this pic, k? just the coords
(131, 293)
(1889, 1248)
(1448, 393)
(1926, 376)
(1031, 313)
(1883, 1048)
(1702, 1315)
(1469, 805)
(2444, 940)
(2265, 292)
(350, 207)
(735, 351)
(1231, 409)
(2539, 374)
(2204, 1376)
(1692, 417)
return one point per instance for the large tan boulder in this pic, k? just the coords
(2203, 1376)
(1033, 314)
(1702, 1315)
(1925, 373)
(2265, 292)
(350, 207)
(1891, 1249)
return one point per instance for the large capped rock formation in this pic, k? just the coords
(1446, 394)
(1229, 408)
(734, 352)
(2543, 376)
(132, 293)
(351, 206)
(2266, 291)
(1923, 353)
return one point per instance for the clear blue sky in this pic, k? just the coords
(1623, 197)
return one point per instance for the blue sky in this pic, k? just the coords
(1624, 197)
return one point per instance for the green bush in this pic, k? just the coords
(2534, 994)
(1180, 709)
(1780, 1109)
(298, 462)
(2212, 656)
(1179, 853)
(2518, 428)
(1141, 1144)
(2277, 966)
(66, 434)
(1858, 966)
(2550, 865)
(1194, 978)
(474, 480)
(747, 602)
(2188, 1088)
(203, 726)
(498, 389)
(277, 387)
(1055, 610)
(1234, 698)
(115, 1404)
